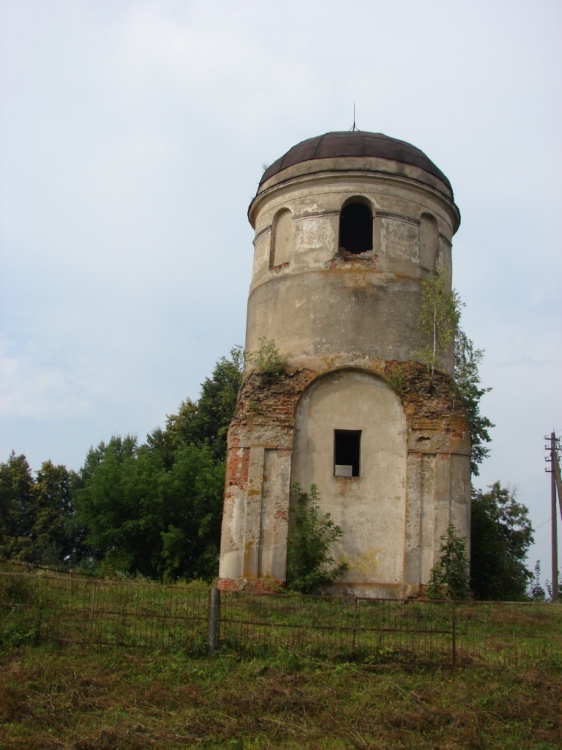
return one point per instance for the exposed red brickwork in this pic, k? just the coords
(266, 406)
(237, 465)
(253, 585)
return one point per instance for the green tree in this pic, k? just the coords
(310, 565)
(535, 590)
(501, 534)
(198, 490)
(35, 514)
(17, 501)
(143, 517)
(53, 541)
(440, 320)
(467, 383)
(104, 507)
(153, 509)
(449, 578)
(156, 509)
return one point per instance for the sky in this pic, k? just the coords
(133, 135)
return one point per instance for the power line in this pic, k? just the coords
(542, 539)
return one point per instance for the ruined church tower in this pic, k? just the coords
(348, 225)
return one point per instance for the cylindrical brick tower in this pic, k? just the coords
(348, 226)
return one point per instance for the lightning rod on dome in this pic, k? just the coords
(354, 126)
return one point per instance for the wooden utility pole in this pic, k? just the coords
(555, 488)
(556, 473)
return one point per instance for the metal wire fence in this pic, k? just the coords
(76, 609)
(379, 631)
(37, 608)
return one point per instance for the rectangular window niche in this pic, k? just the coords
(347, 453)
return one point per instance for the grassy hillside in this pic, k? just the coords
(88, 699)
(92, 664)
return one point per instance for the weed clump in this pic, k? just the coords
(267, 358)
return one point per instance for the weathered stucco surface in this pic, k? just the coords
(348, 324)
(367, 303)
(370, 508)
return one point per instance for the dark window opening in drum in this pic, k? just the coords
(347, 453)
(356, 228)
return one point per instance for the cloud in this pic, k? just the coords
(210, 59)
(31, 389)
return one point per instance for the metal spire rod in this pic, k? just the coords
(354, 126)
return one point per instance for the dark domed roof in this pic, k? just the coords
(354, 143)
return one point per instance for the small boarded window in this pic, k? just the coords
(429, 242)
(347, 452)
(281, 239)
(356, 228)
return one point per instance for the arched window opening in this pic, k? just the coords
(356, 228)
(281, 239)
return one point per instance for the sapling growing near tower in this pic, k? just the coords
(439, 319)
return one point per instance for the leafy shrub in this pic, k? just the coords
(267, 358)
(449, 577)
(310, 566)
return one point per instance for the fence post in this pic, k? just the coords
(214, 620)
(92, 610)
(354, 624)
(454, 626)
